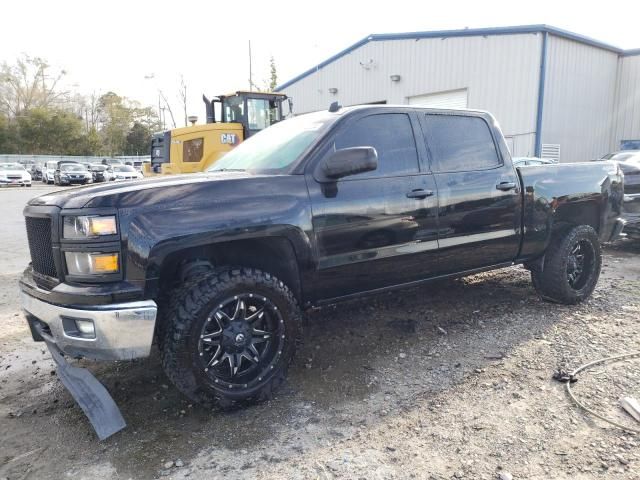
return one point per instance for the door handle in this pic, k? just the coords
(505, 186)
(420, 193)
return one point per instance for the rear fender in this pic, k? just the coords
(568, 194)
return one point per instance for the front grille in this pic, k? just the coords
(39, 237)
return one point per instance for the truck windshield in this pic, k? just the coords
(276, 147)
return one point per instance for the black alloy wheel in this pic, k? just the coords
(580, 264)
(228, 335)
(241, 340)
(571, 265)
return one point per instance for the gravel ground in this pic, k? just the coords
(450, 380)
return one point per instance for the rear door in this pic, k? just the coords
(479, 194)
(378, 228)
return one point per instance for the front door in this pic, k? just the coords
(378, 228)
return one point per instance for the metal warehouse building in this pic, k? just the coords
(556, 94)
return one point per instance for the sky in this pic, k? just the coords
(138, 47)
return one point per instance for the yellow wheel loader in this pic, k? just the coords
(197, 147)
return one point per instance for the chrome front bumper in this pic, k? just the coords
(122, 331)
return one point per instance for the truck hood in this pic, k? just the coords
(158, 189)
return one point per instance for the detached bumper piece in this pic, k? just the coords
(110, 332)
(94, 400)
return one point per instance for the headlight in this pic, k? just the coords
(89, 226)
(91, 263)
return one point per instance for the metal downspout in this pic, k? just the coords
(543, 75)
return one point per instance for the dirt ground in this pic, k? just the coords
(449, 380)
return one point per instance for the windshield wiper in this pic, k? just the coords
(229, 170)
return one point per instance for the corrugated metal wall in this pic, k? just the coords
(501, 74)
(579, 99)
(627, 125)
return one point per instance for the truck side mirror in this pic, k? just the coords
(348, 161)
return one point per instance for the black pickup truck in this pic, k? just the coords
(217, 267)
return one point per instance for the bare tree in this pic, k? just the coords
(92, 107)
(29, 83)
(168, 107)
(182, 93)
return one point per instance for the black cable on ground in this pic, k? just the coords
(572, 378)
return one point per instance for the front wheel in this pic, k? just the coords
(230, 336)
(571, 267)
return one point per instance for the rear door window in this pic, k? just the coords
(391, 135)
(460, 143)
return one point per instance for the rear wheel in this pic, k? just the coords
(571, 266)
(230, 336)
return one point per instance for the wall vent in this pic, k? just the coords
(551, 151)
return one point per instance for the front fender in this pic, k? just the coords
(154, 235)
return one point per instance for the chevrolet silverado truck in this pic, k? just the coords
(215, 268)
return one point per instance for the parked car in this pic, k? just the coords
(14, 174)
(525, 161)
(36, 173)
(100, 172)
(124, 172)
(314, 210)
(111, 161)
(632, 216)
(138, 165)
(69, 173)
(48, 171)
(629, 161)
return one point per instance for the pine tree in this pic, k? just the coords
(273, 82)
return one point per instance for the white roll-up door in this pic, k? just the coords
(449, 99)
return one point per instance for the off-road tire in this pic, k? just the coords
(189, 307)
(552, 282)
(167, 303)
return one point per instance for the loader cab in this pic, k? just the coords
(230, 120)
(254, 110)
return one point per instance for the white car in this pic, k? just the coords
(124, 172)
(14, 174)
(48, 171)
